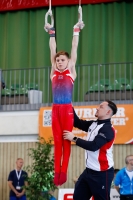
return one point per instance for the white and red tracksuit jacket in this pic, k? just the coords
(99, 142)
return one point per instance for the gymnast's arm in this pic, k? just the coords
(105, 135)
(73, 58)
(81, 124)
(52, 46)
(74, 48)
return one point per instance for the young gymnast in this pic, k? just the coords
(63, 74)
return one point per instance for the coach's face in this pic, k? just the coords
(103, 111)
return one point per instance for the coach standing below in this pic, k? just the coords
(124, 180)
(96, 179)
(16, 181)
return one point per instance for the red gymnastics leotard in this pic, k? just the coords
(62, 119)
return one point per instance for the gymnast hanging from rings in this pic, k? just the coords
(63, 74)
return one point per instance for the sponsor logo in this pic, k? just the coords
(119, 119)
(89, 114)
(60, 77)
(122, 122)
(102, 135)
(68, 197)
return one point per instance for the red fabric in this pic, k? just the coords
(51, 32)
(26, 4)
(76, 30)
(62, 119)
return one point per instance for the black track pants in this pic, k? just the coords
(94, 183)
(126, 197)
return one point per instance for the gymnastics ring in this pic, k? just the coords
(80, 14)
(49, 13)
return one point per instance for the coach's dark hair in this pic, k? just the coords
(113, 106)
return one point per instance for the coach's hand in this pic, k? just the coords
(68, 135)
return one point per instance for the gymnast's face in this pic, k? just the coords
(61, 62)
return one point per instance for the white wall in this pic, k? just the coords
(19, 126)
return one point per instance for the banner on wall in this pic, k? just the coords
(6, 5)
(67, 194)
(122, 122)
